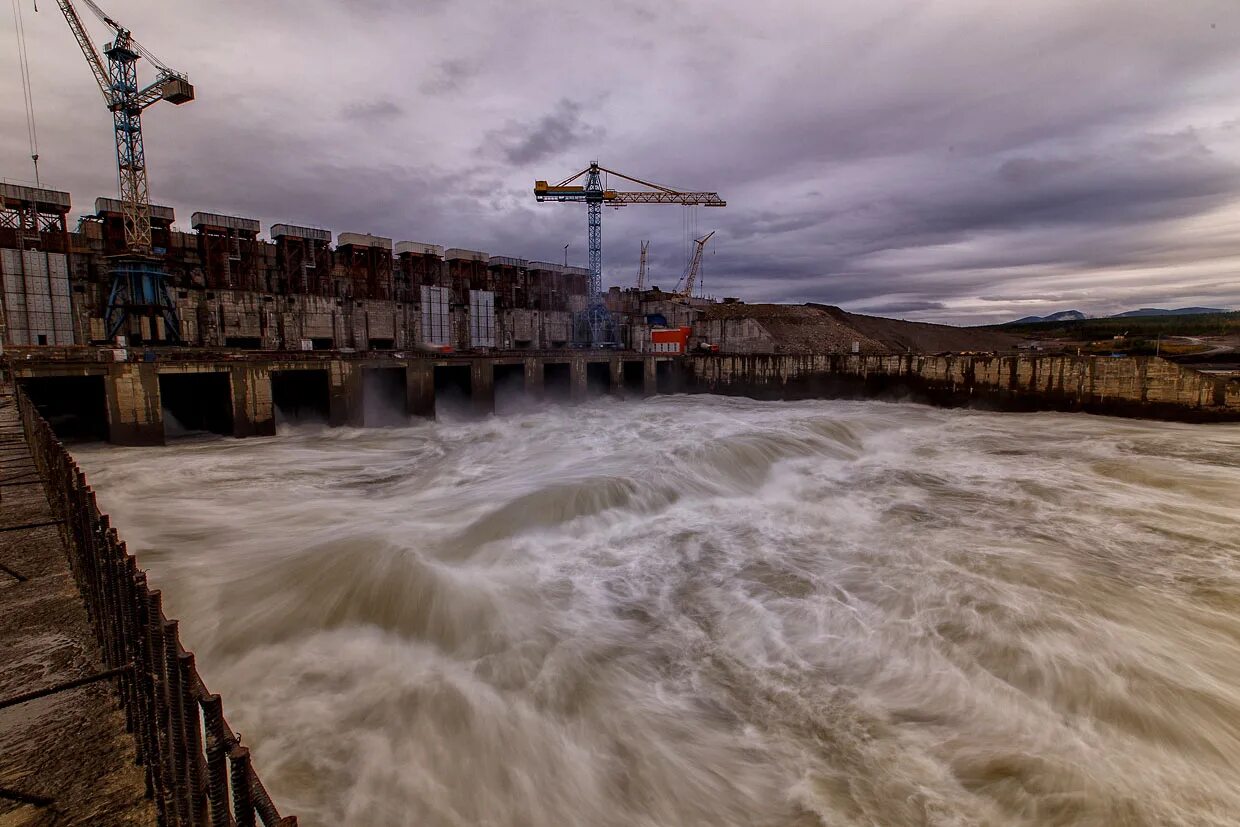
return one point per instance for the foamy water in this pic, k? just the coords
(713, 611)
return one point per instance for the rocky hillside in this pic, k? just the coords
(816, 328)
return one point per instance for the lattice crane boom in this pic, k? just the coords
(641, 267)
(595, 195)
(685, 285)
(88, 49)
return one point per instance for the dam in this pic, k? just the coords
(443, 560)
(123, 396)
(347, 479)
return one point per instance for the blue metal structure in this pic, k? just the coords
(598, 320)
(139, 284)
(139, 289)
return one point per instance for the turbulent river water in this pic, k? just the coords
(713, 611)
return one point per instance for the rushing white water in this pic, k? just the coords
(713, 611)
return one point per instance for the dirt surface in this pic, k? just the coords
(921, 337)
(71, 746)
(820, 328)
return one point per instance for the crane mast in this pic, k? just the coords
(139, 288)
(695, 265)
(595, 195)
(641, 268)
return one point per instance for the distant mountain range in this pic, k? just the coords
(1061, 316)
(1182, 311)
(1076, 315)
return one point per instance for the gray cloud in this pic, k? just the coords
(376, 110)
(448, 76)
(560, 129)
(948, 161)
(902, 307)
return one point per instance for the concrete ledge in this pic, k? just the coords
(1139, 386)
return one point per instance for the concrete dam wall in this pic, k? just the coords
(1136, 386)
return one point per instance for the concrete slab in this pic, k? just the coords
(72, 746)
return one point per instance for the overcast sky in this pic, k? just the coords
(944, 160)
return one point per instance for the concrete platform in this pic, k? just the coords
(71, 747)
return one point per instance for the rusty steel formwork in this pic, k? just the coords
(32, 218)
(418, 265)
(510, 278)
(230, 251)
(576, 284)
(303, 260)
(364, 262)
(467, 270)
(547, 289)
(193, 780)
(111, 222)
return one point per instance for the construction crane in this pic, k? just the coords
(601, 330)
(139, 285)
(684, 287)
(641, 268)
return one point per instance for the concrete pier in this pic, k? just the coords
(534, 378)
(253, 412)
(71, 746)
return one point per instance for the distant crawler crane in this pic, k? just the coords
(139, 287)
(641, 268)
(598, 319)
(684, 287)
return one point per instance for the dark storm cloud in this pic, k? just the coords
(448, 76)
(376, 110)
(562, 128)
(1064, 202)
(954, 160)
(901, 307)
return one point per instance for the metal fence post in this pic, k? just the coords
(243, 797)
(217, 763)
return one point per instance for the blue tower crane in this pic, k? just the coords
(139, 284)
(598, 319)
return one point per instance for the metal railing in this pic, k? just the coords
(197, 771)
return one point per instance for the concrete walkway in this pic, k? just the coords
(72, 746)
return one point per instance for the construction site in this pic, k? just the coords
(126, 323)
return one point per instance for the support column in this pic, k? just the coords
(420, 389)
(650, 377)
(135, 416)
(482, 386)
(534, 384)
(253, 411)
(345, 395)
(617, 376)
(577, 379)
